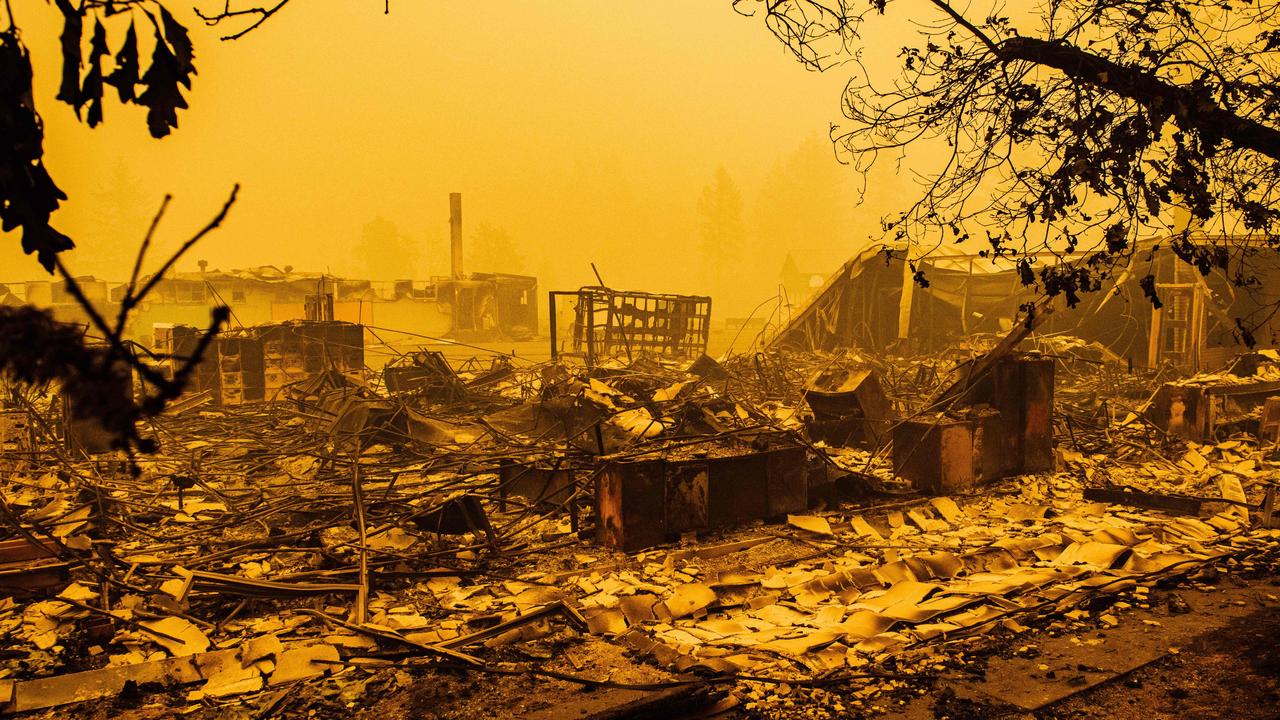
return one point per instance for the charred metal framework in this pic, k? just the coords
(615, 323)
(425, 371)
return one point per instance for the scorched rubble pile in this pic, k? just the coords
(339, 549)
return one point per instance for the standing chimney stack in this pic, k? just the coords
(455, 234)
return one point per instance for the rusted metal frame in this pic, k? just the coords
(357, 497)
(587, 306)
(614, 327)
(644, 499)
(551, 325)
(705, 321)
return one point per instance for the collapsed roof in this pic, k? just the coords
(874, 303)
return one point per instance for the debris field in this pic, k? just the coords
(775, 534)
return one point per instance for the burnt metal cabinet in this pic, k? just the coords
(641, 503)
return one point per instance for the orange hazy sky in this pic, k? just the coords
(586, 129)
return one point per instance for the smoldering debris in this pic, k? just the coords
(742, 533)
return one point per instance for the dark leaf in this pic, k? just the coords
(91, 90)
(1025, 275)
(1117, 238)
(72, 29)
(162, 96)
(125, 76)
(27, 193)
(46, 242)
(1148, 285)
(176, 34)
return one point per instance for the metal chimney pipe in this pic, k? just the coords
(455, 234)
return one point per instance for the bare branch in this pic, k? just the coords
(213, 225)
(1066, 132)
(137, 265)
(260, 13)
(973, 30)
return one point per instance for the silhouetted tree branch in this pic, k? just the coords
(1189, 107)
(258, 13)
(1075, 127)
(34, 348)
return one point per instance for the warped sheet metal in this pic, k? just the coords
(374, 421)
